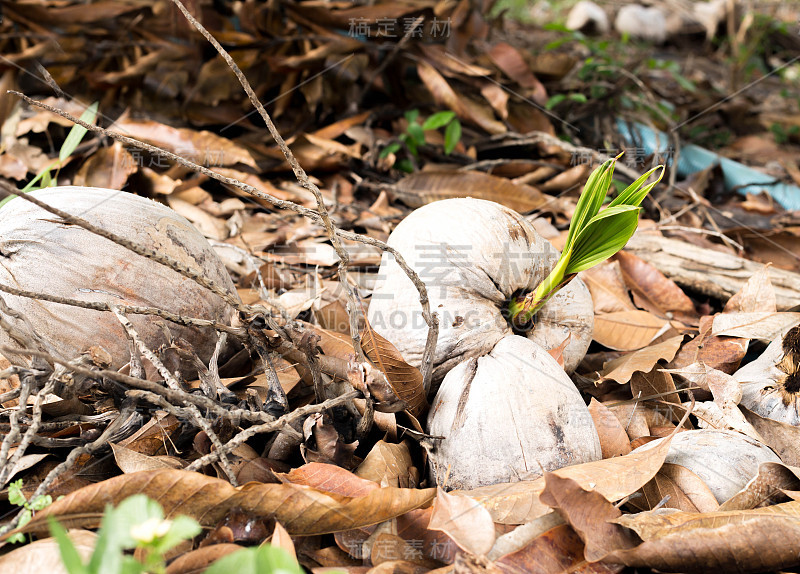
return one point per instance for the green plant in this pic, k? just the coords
(137, 523)
(17, 498)
(593, 235)
(414, 136)
(261, 560)
(74, 138)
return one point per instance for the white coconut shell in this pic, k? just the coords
(762, 390)
(473, 255)
(42, 254)
(725, 461)
(507, 416)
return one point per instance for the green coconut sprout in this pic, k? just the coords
(593, 236)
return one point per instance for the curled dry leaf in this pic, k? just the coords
(464, 520)
(301, 509)
(643, 360)
(405, 380)
(677, 487)
(614, 478)
(628, 330)
(389, 464)
(760, 540)
(45, 556)
(614, 440)
(759, 325)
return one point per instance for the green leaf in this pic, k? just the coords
(261, 560)
(389, 149)
(182, 528)
(41, 502)
(591, 200)
(404, 165)
(580, 98)
(77, 132)
(452, 135)
(108, 548)
(417, 134)
(554, 101)
(411, 116)
(15, 495)
(438, 120)
(603, 236)
(634, 194)
(69, 554)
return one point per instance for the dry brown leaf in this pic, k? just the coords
(44, 555)
(765, 488)
(686, 491)
(614, 478)
(653, 291)
(758, 540)
(759, 325)
(608, 289)
(513, 65)
(424, 187)
(464, 520)
(757, 295)
(200, 559)
(390, 465)
(622, 369)
(329, 478)
(282, 540)
(656, 385)
(614, 440)
(628, 330)
(108, 167)
(130, 461)
(203, 147)
(589, 514)
(405, 380)
(448, 98)
(722, 353)
(302, 509)
(781, 437)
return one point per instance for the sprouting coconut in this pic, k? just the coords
(40, 253)
(489, 275)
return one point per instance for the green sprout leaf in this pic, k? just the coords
(15, 495)
(77, 132)
(262, 560)
(438, 120)
(593, 235)
(69, 554)
(452, 135)
(393, 147)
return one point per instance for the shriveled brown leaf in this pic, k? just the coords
(614, 478)
(589, 514)
(389, 464)
(609, 292)
(723, 353)
(329, 478)
(464, 520)
(557, 551)
(424, 187)
(759, 540)
(303, 510)
(513, 65)
(765, 488)
(44, 555)
(108, 167)
(623, 368)
(757, 295)
(628, 330)
(781, 437)
(759, 325)
(198, 560)
(201, 147)
(656, 385)
(614, 440)
(406, 381)
(653, 291)
(686, 491)
(130, 461)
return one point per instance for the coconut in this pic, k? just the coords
(40, 253)
(509, 415)
(771, 384)
(725, 461)
(473, 256)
